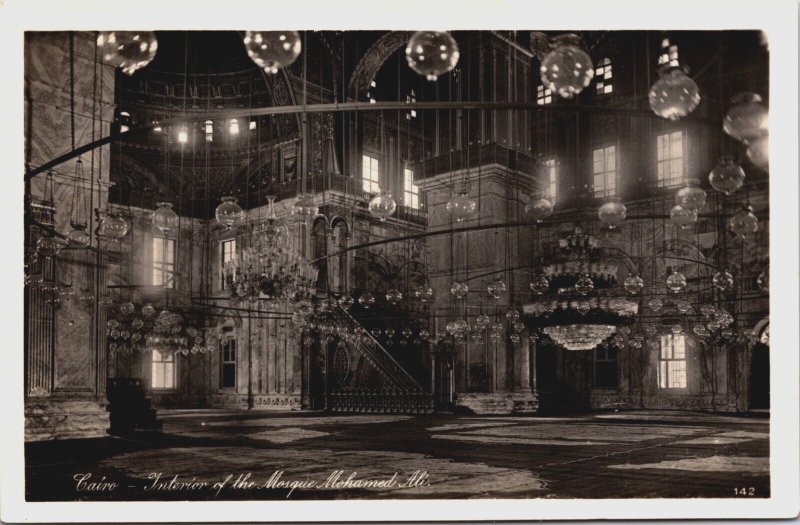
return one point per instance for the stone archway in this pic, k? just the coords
(372, 61)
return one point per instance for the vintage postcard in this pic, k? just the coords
(290, 262)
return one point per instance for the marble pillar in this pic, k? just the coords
(65, 365)
(489, 377)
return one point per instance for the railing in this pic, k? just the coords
(380, 358)
(474, 156)
(380, 401)
(348, 186)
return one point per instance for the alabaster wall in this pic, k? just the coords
(65, 365)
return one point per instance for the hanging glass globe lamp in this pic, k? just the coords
(722, 281)
(744, 223)
(424, 294)
(394, 296)
(691, 196)
(164, 217)
(77, 236)
(567, 69)
(459, 289)
(272, 50)
(584, 285)
(539, 284)
(727, 176)
(683, 217)
(432, 53)
(496, 288)
(127, 308)
(683, 306)
(633, 284)
(113, 227)
(49, 246)
(763, 281)
(539, 209)
(305, 207)
(676, 282)
(674, 95)
(482, 321)
(747, 119)
(382, 205)
(461, 206)
(612, 213)
(148, 311)
(229, 213)
(346, 301)
(367, 300)
(758, 152)
(127, 50)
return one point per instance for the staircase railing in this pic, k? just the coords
(379, 357)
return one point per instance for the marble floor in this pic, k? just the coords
(224, 454)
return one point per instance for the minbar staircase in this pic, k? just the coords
(130, 409)
(402, 393)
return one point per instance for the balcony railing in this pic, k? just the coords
(342, 184)
(474, 156)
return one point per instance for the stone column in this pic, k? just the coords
(498, 189)
(65, 368)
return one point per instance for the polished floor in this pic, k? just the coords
(214, 454)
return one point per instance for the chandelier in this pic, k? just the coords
(584, 310)
(580, 336)
(272, 267)
(619, 306)
(144, 331)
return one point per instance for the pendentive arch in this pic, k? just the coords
(371, 62)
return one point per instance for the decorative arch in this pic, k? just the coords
(338, 220)
(234, 320)
(371, 62)
(761, 331)
(380, 272)
(146, 170)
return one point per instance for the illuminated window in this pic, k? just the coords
(227, 374)
(552, 180)
(670, 158)
(411, 98)
(672, 361)
(669, 53)
(163, 262)
(603, 76)
(410, 190)
(604, 169)
(543, 95)
(370, 174)
(163, 369)
(371, 91)
(227, 251)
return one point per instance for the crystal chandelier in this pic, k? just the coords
(271, 266)
(166, 332)
(580, 336)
